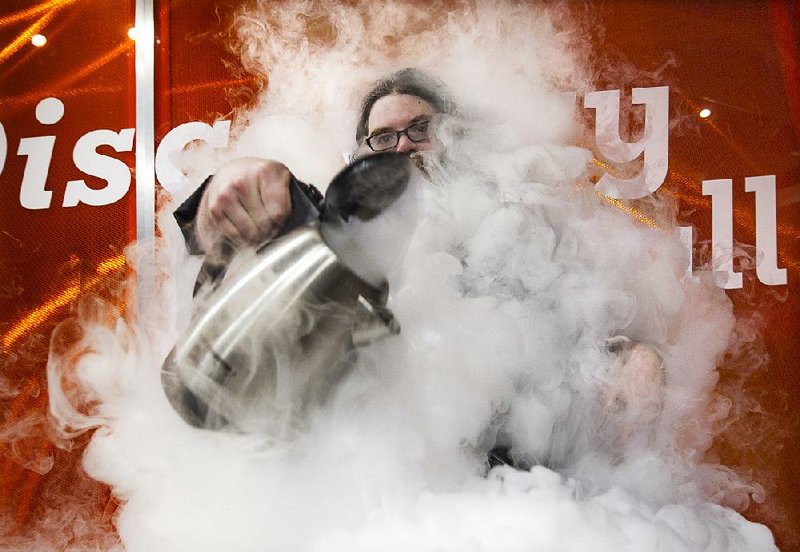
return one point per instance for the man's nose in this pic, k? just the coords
(404, 145)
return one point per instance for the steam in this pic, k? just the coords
(534, 315)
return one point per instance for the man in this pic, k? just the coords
(251, 200)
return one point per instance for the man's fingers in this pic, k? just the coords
(230, 231)
(232, 219)
(257, 203)
(251, 201)
(274, 195)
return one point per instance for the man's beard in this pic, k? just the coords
(431, 163)
(422, 161)
(417, 160)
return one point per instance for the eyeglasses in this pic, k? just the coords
(418, 132)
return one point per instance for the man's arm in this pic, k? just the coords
(247, 202)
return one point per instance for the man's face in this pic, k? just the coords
(398, 112)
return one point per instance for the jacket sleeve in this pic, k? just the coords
(186, 214)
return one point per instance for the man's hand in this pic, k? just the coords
(247, 202)
(633, 396)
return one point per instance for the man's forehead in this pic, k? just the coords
(396, 111)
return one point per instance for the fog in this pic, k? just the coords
(535, 315)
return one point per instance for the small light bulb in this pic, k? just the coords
(38, 40)
(705, 112)
(132, 33)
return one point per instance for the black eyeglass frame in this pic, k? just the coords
(397, 135)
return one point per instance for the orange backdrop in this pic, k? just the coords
(739, 59)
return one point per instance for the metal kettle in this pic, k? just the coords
(277, 334)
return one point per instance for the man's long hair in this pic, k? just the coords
(409, 81)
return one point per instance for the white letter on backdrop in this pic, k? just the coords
(766, 230)
(113, 171)
(721, 192)
(3, 147)
(32, 193)
(168, 170)
(654, 141)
